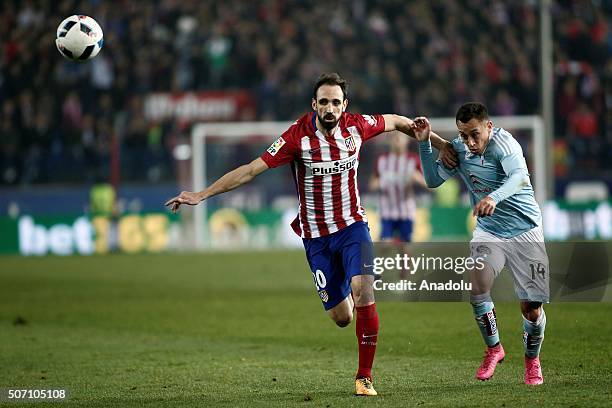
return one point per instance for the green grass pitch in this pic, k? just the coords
(247, 329)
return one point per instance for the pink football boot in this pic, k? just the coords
(533, 371)
(493, 355)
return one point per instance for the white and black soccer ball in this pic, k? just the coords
(79, 38)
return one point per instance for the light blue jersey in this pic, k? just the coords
(500, 173)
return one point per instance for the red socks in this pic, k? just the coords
(366, 329)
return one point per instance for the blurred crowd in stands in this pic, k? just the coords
(61, 121)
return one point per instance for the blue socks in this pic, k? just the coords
(533, 335)
(533, 332)
(487, 322)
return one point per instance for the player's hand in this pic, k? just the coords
(484, 208)
(186, 197)
(409, 124)
(448, 156)
(421, 128)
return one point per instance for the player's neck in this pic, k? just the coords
(484, 149)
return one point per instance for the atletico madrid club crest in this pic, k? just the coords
(350, 143)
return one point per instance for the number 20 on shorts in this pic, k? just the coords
(319, 279)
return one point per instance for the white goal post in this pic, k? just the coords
(239, 130)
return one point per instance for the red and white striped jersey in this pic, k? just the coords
(395, 174)
(325, 170)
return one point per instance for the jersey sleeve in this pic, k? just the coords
(443, 171)
(283, 150)
(434, 173)
(510, 155)
(513, 160)
(370, 125)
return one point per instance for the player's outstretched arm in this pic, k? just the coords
(231, 180)
(448, 156)
(422, 131)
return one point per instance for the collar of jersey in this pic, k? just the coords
(313, 122)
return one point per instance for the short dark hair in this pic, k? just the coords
(471, 110)
(331, 78)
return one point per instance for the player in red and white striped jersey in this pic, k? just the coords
(395, 175)
(323, 149)
(325, 166)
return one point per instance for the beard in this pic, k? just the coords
(328, 124)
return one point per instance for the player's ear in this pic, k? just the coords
(344, 104)
(313, 103)
(489, 125)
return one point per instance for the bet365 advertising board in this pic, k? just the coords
(231, 229)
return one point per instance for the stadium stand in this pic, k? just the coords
(59, 121)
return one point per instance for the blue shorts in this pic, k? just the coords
(334, 260)
(389, 227)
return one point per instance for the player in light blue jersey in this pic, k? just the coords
(508, 230)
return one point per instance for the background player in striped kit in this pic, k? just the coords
(323, 149)
(395, 175)
(508, 230)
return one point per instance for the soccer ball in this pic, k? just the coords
(79, 38)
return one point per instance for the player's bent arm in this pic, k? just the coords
(440, 144)
(518, 179)
(447, 154)
(429, 166)
(235, 178)
(515, 167)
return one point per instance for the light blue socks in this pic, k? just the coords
(533, 335)
(487, 322)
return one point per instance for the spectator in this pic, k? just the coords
(424, 52)
(584, 136)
